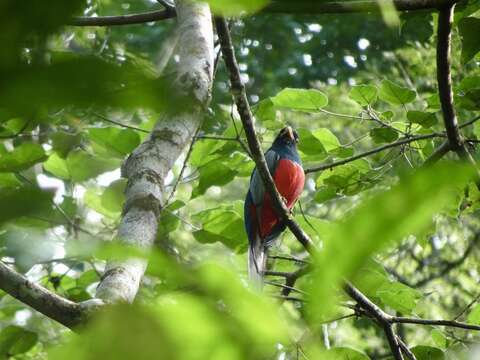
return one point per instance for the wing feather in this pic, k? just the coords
(256, 184)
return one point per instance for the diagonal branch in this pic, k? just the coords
(400, 142)
(243, 107)
(148, 165)
(64, 311)
(239, 95)
(383, 319)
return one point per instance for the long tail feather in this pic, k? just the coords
(257, 259)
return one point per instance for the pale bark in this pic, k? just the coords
(147, 167)
(48, 303)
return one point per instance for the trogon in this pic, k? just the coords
(262, 224)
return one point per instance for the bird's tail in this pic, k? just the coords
(257, 260)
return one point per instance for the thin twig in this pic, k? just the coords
(289, 258)
(338, 318)
(470, 122)
(408, 353)
(104, 118)
(69, 221)
(447, 323)
(184, 166)
(291, 288)
(373, 151)
(468, 307)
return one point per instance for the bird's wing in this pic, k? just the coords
(257, 189)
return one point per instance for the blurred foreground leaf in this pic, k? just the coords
(223, 321)
(15, 340)
(23, 201)
(406, 208)
(22, 157)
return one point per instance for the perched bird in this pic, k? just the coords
(262, 224)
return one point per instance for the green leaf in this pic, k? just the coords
(77, 294)
(317, 142)
(83, 166)
(364, 94)
(57, 167)
(397, 213)
(265, 111)
(439, 338)
(214, 173)
(474, 315)
(425, 119)
(63, 142)
(422, 352)
(114, 141)
(369, 278)
(395, 94)
(221, 224)
(346, 179)
(389, 13)
(79, 165)
(325, 193)
(8, 180)
(168, 220)
(23, 201)
(21, 21)
(387, 115)
(433, 102)
(300, 99)
(87, 278)
(470, 83)
(310, 144)
(93, 199)
(344, 353)
(399, 296)
(113, 197)
(62, 82)
(383, 135)
(15, 340)
(327, 138)
(342, 152)
(22, 157)
(235, 8)
(469, 29)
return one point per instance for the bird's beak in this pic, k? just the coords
(290, 133)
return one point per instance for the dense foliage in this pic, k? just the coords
(75, 101)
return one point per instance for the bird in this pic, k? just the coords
(262, 224)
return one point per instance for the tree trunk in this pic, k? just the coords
(147, 167)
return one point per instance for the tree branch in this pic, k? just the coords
(130, 19)
(373, 151)
(444, 79)
(339, 7)
(383, 319)
(243, 107)
(448, 323)
(276, 7)
(64, 311)
(148, 165)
